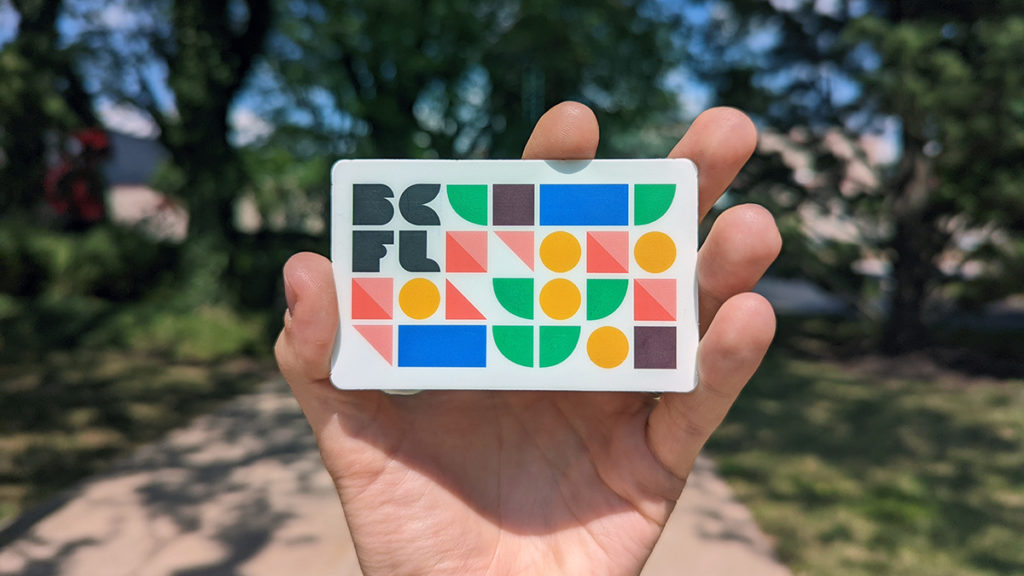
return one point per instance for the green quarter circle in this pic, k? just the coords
(469, 201)
(557, 344)
(515, 343)
(515, 295)
(604, 296)
(651, 202)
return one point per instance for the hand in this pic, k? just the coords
(464, 482)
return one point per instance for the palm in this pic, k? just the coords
(536, 482)
(512, 482)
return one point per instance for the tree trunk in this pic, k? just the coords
(213, 183)
(207, 68)
(904, 328)
(914, 247)
(33, 54)
(22, 177)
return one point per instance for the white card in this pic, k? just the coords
(515, 274)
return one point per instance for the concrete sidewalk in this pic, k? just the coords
(242, 491)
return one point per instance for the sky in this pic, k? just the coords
(8, 22)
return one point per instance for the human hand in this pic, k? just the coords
(533, 482)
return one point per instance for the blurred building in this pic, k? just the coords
(135, 157)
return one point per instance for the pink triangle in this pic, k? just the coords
(457, 306)
(379, 336)
(372, 298)
(466, 252)
(655, 300)
(521, 243)
(608, 252)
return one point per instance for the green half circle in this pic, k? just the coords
(557, 343)
(515, 295)
(604, 296)
(651, 202)
(515, 343)
(469, 201)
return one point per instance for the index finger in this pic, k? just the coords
(568, 131)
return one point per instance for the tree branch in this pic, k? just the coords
(249, 44)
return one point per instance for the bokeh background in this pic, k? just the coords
(159, 161)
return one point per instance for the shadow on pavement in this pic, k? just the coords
(242, 491)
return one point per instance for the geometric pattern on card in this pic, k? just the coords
(655, 347)
(380, 337)
(458, 306)
(654, 299)
(520, 243)
(466, 252)
(546, 275)
(608, 252)
(372, 298)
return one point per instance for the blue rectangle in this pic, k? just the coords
(584, 204)
(442, 346)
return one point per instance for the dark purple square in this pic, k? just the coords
(654, 346)
(513, 205)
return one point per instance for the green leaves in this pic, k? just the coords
(938, 84)
(465, 78)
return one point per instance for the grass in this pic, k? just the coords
(104, 346)
(880, 466)
(84, 380)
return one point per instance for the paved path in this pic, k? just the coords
(241, 491)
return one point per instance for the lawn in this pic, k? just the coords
(102, 348)
(881, 466)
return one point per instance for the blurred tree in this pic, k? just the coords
(41, 95)
(183, 62)
(209, 52)
(941, 83)
(461, 78)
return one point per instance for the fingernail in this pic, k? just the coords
(289, 296)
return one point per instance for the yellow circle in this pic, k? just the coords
(560, 299)
(655, 252)
(560, 251)
(419, 298)
(607, 347)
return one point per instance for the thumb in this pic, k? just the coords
(304, 347)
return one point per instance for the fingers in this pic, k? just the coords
(568, 131)
(737, 326)
(743, 242)
(740, 247)
(305, 344)
(729, 354)
(720, 141)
